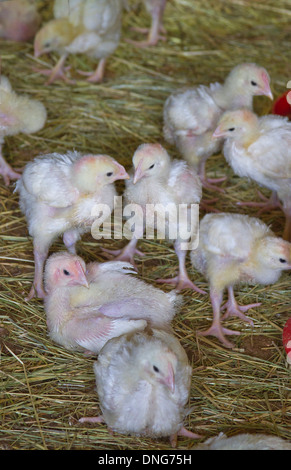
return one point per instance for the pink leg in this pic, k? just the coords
(181, 281)
(70, 238)
(235, 310)
(58, 72)
(40, 255)
(183, 432)
(7, 171)
(98, 75)
(267, 204)
(93, 419)
(127, 253)
(156, 26)
(209, 183)
(216, 329)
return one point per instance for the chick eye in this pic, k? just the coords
(282, 260)
(156, 369)
(66, 273)
(110, 173)
(254, 83)
(152, 166)
(231, 129)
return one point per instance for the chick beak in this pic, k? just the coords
(138, 174)
(267, 92)
(121, 174)
(169, 381)
(218, 133)
(82, 279)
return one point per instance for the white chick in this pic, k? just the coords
(234, 249)
(59, 195)
(90, 27)
(19, 20)
(18, 113)
(244, 442)
(260, 149)
(73, 305)
(156, 10)
(143, 383)
(191, 115)
(159, 180)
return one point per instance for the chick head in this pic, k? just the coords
(274, 253)
(236, 124)
(249, 79)
(54, 36)
(157, 364)
(64, 269)
(92, 172)
(150, 160)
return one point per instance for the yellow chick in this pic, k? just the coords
(143, 383)
(18, 113)
(19, 20)
(58, 194)
(260, 149)
(156, 10)
(158, 180)
(246, 441)
(90, 27)
(234, 249)
(191, 115)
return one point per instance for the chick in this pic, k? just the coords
(159, 180)
(234, 249)
(244, 442)
(18, 113)
(90, 27)
(191, 115)
(58, 193)
(156, 10)
(143, 382)
(19, 20)
(260, 149)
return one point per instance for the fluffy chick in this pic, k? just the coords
(158, 180)
(156, 10)
(90, 27)
(19, 20)
(143, 383)
(234, 249)
(260, 149)
(59, 195)
(87, 306)
(191, 115)
(18, 113)
(244, 442)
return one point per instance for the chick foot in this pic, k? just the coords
(205, 204)
(35, 291)
(125, 254)
(209, 183)
(92, 419)
(267, 205)
(98, 75)
(183, 432)
(148, 43)
(234, 310)
(219, 332)
(181, 282)
(7, 172)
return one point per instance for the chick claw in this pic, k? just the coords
(181, 283)
(8, 173)
(183, 432)
(267, 205)
(124, 254)
(55, 75)
(235, 310)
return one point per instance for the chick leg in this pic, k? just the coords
(98, 75)
(70, 238)
(92, 419)
(7, 171)
(183, 432)
(216, 329)
(181, 281)
(267, 204)
(156, 26)
(235, 310)
(287, 228)
(127, 253)
(40, 255)
(58, 72)
(209, 183)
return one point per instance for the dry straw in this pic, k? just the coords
(44, 388)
